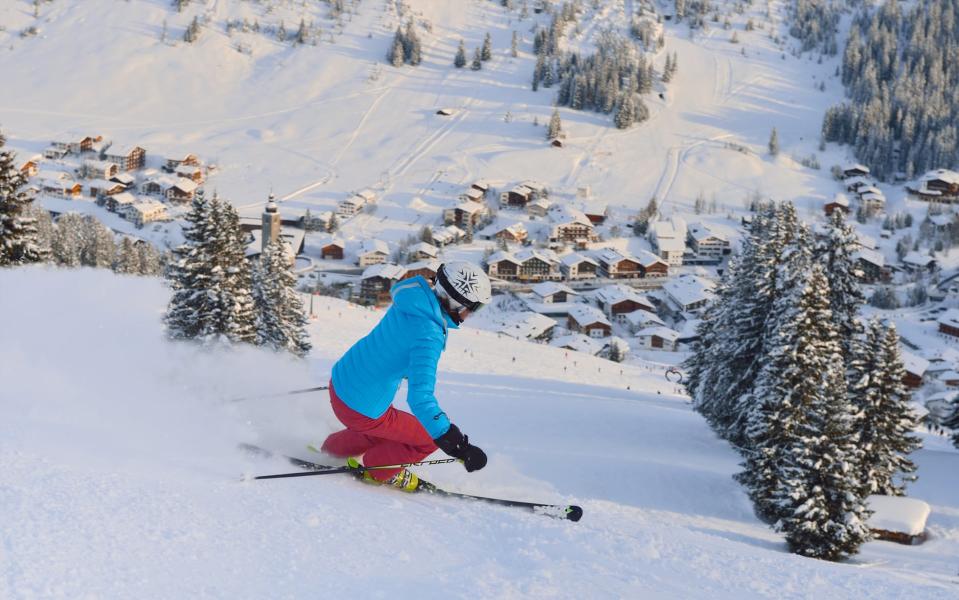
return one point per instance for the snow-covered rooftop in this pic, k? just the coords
(585, 315)
(386, 270)
(898, 514)
(548, 288)
(670, 335)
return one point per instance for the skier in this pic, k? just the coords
(406, 343)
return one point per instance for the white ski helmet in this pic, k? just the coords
(463, 283)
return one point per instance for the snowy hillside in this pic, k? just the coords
(315, 122)
(121, 476)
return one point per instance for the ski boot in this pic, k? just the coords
(405, 480)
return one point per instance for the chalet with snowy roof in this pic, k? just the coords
(182, 190)
(171, 164)
(481, 185)
(619, 300)
(526, 326)
(100, 169)
(688, 293)
(31, 166)
(552, 292)
(668, 240)
(424, 268)
(142, 213)
(423, 251)
(854, 170)
(376, 281)
(372, 252)
(949, 323)
(515, 232)
(54, 153)
(503, 265)
(839, 202)
(579, 343)
(333, 249)
(915, 367)
(589, 321)
(658, 337)
(157, 186)
(706, 242)
(60, 187)
(350, 206)
(872, 265)
(898, 519)
(539, 207)
(949, 378)
(444, 236)
(578, 266)
(124, 178)
(467, 214)
(569, 224)
(638, 320)
(616, 265)
(916, 261)
(537, 265)
(128, 158)
(119, 202)
(76, 144)
(652, 266)
(101, 188)
(855, 182)
(472, 195)
(938, 185)
(191, 172)
(523, 194)
(596, 212)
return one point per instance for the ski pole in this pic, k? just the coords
(278, 394)
(360, 469)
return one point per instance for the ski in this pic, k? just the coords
(569, 512)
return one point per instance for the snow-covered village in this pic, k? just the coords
(479, 299)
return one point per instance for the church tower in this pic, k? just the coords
(271, 223)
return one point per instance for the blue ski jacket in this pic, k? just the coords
(406, 343)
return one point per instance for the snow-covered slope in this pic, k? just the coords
(312, 123)
(120, 475)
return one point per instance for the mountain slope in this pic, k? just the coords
(121, 476)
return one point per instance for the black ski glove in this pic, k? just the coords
(457, 445)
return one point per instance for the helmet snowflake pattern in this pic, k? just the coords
(464, 283)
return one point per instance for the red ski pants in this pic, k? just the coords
(395, 437)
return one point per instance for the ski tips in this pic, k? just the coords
(574, 513)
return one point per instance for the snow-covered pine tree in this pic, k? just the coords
(68, 240)
(477, 63)
(883, 417)
(487, 52)
(44, 225)
(514, 45)
(803, 467)
(626, 114)
(460, 61)
(151, 262)
(412, 47)
(127, 263)
(236, 283)
(555, 127)
(99, 248)
(774, 142)
(19, 239)
(782, 384)
(396, 54)
(279, 317)
(210, 277)
(668, 69)
(835, 251)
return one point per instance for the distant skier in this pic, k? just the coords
(406, 343)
